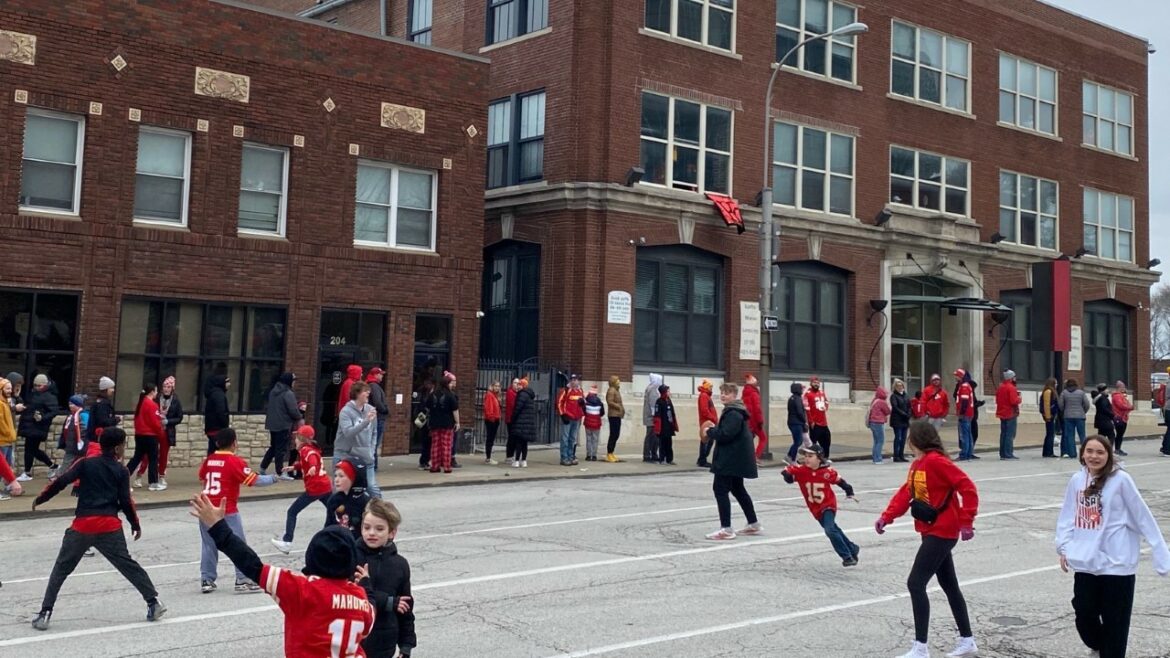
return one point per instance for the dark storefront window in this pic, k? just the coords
(194, 341)
(678, 308)
(810, 301)
(1031, 366)
(1105, 334)
(511, 302)
(38, 334)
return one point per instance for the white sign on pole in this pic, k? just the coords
(1074, 352)
(620, 306)
(749, 331)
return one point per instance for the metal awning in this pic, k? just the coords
(955, 303)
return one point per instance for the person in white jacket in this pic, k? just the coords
(1098, 537)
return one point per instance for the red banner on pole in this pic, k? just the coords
(729, 209)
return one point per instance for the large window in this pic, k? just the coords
(1027, 95)
(686, 145)
(263, 189)
(678, 308)
(516, 140)
(812, 169)
(194, 341)
(1029, 210)
(1109, 225)
(810, 303)
(395, 207)
(418, 21)
(508, 19)
(1031, 366)
(510, 329)
(50, 178)
(931, 67)
(162, 176)
(929, 181)
(1108, 118)
(38, 334)
(711, 22)
(797, 20)
(1105, 334)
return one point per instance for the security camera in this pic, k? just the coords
(480, 314)
(1150, 48)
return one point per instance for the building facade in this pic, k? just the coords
(217, 189)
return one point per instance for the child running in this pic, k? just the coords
(222, 474)
(317, 486)
(348, 502)
(386, 579)
(816, 482)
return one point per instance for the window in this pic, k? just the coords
(930, 66)
(1109, 225)
(51, 168)
(1105, 332)
(810, 301)
(697, 138)
(194, 341)
(510, 329)
(508, 19)
(395, 207)
(263, 179)
(419, 21)
(678, 307)
(38, 334)
(797, 20)
(812, 169)
(1027, 94)
(162, 176)
(710, 22)
(929, 181)
(1031, 366)
(1028, 210)
(361, 335)
(1108, 118)
(516, 140)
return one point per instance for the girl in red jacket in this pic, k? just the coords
(943, 502)
(491, 420)
(594, 413)
(148, 432)
(707, 414)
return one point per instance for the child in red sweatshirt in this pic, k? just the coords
(316, 481)
(816, 478)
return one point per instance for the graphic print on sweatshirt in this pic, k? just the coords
(917, 483)
(1088, 511)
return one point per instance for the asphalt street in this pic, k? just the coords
(614, 567)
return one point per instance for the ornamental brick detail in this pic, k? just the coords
(221, 84)
(402, 117)
(18, 47)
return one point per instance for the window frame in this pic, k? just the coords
(78, 163)
(827, 172)
(819, 274)
(1017, 95)
(282, 219)
(421, 35)
(1017, 352)
(692, 259)
(848, 41)
(704, 38)
(520, 25)
(29, 352)
(943, 185)
(942, 68)
(1019, 210)
(393, 207)
(510, 328)
(1116, 199)
(671, 144)
(186, 200)
(513, 172)
(1098, 119)
(1108, 309)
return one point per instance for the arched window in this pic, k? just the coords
(810, 300)
(678, 307)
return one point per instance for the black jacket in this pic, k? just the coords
(796, 413)
(42, 404)
(524, 415)
(101, 416)
(1103, 407)
(899, 409)
(389, 581)
(215, 405)
(104, 488)
(735, 452)
(378, 400)
(441, 407)
(347, 508)
(283, 411)
(174, 416)
(664, 412)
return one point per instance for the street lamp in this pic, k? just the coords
(768, 230)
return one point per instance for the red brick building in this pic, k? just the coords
(211, 188)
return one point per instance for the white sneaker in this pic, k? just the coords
(23, 477)
(722, 534)
(162, 483)
(154, 487)
(919, 650)
(137, 483)
(490, 462)
(964, 648)
(4, 495)
(281, 545)
(516, 464)
(523, 463)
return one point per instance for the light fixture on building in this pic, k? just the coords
(1081, 251)
(1154, 262)
(878, 305)
(882, 217)
(634, 175)
(996, 238)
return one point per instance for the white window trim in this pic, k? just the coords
(803, 34)
(827, 171)
(1117, 230)
(701, 184)
(186, 177)
(943, 186)
(77, 181)
(703, 40)
(391, 241)
(1098, 119)
(941, 68)
(1018, 208)
(1018, 94)
(282, 221)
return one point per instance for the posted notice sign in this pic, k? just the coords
(1074, 352)
(749, 331)
(620, 307)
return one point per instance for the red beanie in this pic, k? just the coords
(307, 432)
(346, 467)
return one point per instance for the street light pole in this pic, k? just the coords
(769, 229)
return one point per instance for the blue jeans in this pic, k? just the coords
(9, 453)
(1007, 437)
(900, 442)
(209, 554)
(1049, 437)
(841, 544)
(797, 438)
(378, 439)
(302, 501)
(879, 440)
(1068, 441)
(569, 434)
(966, 442)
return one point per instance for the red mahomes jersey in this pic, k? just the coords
(966, 394)
(817, 487)
(317, 482)
(323, 617)
(222, 473)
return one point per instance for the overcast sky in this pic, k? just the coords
(1149, 19)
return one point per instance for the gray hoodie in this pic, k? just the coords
(1074, 404)
(650, 400)
(355, 434)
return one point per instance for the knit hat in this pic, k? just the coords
(105, 384)
(960, 373)
(1119, 384)
(41, 380)
(77, 400)
(1102, 386)
(347, 467)
(935, 376)
(663, 389)
(16, 379)
(705, 385)
(332, 553)
(1009, 374)
(169, 380)
(308, 433)
(448, 375)
(813, 449)
(749, 378)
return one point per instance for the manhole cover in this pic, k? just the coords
(1009, 621)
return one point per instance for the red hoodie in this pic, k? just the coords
(509, 403)
(751, 400)
(917, 407)
(1121, 407)
(938, 402)
(933, 476)
(1007, 401)
(571, 403)
(491, 407)
(707, 411)
(146, 420)
(353, 374)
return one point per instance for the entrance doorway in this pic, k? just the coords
(906, 363)
(330, 374)
(432, 355)
(916, 331)
(346, 337)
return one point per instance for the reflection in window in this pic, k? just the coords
(930, 66)
(38, 334)
(1028, 210)
(929, 181)
(811, 308)
(677, 307)
(812, 169)
(686, 145)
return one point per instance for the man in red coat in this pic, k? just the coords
(751, 400)
(707, 414)
(938, 402)
(1007, 410)
(509, 406)
(816, 409)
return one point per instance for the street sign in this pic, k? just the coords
(771, 323)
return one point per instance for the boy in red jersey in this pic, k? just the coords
(816, 410)
(317, 486)
(816, 481)
(324, 613)
(222, 474)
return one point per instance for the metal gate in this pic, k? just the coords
(544, 380)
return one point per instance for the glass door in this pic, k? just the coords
(907, 364)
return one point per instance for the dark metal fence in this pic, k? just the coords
(544, 380)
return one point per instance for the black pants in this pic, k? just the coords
(277, 449)
(510, 446)
(298, 505)
(1121, 427)
(210, 434)
(615, 433)
(666, 448)
(650, 446)
(520, 449)
(1107, 430)
(492, 426)
(112, 546)
(934, 560)
(727, 484)
(424, 453)
(974, 431)
(32, 449)
(820, 435)
(145, 447)
(1103, 605)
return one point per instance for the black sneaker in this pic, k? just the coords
(849, 562)
(155, 611)
(207, 586)
(1122, 452)
(41, 623)
(856, 552)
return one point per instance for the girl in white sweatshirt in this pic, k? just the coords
(1098, 537)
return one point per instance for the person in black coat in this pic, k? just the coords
(215, 408)
(101, 412)
(348, 502)
(797, 418)
(900, 417)
(734, 461)
(36, 421)
(1103, 417)
(525, 421)
(386, 579)
(665, 425)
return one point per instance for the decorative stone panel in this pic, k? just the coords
(402, 117)
(95, 108)
(20, 96)
(134, 114)
(355, 149)
(298, 140)
(237, 131)
(202, 125)
(221, 84)
(329, 105)
(447, 163)
(18, 47)
(119, 63)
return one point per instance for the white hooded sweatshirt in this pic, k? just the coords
(1102, 535)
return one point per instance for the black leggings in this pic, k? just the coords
(934, 560)
(1121, 427)
(510, 446)
(615, 433)
(520, 449)
(728, 484)
(1103, 605)
(145, 447)
(492, 426)
(277, 449)
(666, 448)
(32, 449)
(820, 435)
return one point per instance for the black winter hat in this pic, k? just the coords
(332, 553)
(287, 379)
